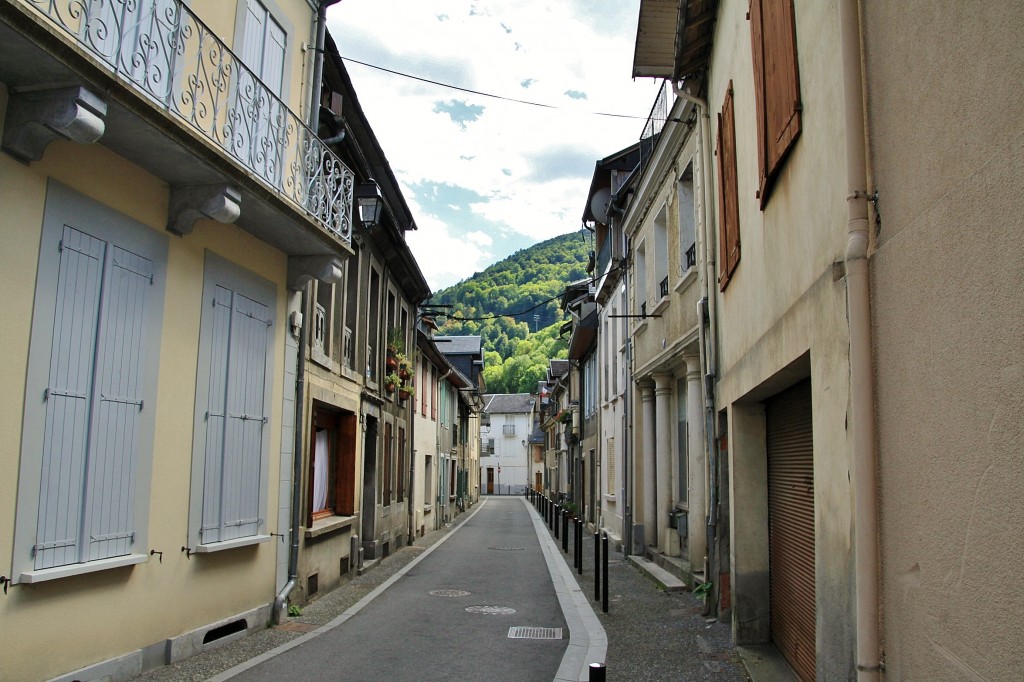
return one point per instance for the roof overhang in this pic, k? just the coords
(673, 38)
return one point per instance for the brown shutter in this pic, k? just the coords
(728, 195)
(791, 526)
(345, 472)
(776, 85)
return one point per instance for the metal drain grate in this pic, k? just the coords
(491, 610)
(524, 632)
(507, 549)
(449, 593)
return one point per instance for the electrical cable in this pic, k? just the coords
(482, 94)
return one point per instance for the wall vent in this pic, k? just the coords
(312, 584)
(223, 631)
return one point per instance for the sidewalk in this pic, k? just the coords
(651, 634)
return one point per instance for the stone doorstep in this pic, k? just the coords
(662, 578)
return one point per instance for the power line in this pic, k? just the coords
(482, 94)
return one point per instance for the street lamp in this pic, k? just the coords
(369, 203)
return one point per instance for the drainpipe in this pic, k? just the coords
(281, 599)
(869, 659)
(706, 317)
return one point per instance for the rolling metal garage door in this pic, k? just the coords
(791, 526)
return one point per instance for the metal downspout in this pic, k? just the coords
(869, 659)
(277, 613)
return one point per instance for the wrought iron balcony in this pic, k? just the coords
(655, 124)
(174, 61)
(691, 256)
(663, 287)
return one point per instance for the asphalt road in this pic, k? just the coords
(447, 618)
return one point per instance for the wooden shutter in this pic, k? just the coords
(776, 85)
(791, 526)
(235, 418)
(117, 405)
(728, 195)
(345, 473)
(67, 399)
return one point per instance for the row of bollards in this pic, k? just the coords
(556, 517)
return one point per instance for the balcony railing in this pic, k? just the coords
(655, 124)
(663, 288)
(173, 59)
(691, 256)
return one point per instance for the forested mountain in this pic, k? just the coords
(515, 306)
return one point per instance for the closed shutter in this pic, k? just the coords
(93, 401)
(791, 526)
(272, 72)
(67, 399)
(117, 405)
(776, 85)
(236, 419)
(728, 195)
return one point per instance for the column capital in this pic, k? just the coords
(693, 368)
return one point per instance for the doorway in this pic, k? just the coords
(490, 480)
(369, 506)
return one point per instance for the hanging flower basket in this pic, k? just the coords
(404, 392)
(391, 382)
(391, 361)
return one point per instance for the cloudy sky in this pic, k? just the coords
(483, 176)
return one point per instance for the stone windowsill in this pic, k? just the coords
(328, 524)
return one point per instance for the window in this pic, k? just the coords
(388, 475)
(90, 402)
(661, 252)
(258, 116)
(640, 285)
(332, 464)
(352, 297)
(681, 441)
(610, 465)
(728, 195)
(687, 222)
(509, 429)
(776, 86)
(433, 393)
(373, 326)
(401, 464)
(230, 449)
(424, 386)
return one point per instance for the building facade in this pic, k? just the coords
(505, 449)
(165, 217)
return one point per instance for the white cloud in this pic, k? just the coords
(481, 238)
(531, 165)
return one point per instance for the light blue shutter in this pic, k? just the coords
(234, 443)
(243, 443)
(116, 405)
(67, 399)
(216, 416)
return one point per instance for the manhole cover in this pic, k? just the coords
(507, 549)
(491, 610)
(449, 593)
(524, 632)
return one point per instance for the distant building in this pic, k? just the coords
(505, 444)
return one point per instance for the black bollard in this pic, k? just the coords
(604, 572)
(579, 544)
(565, 532)
(597, 672)
(597, 565)
(558, 519)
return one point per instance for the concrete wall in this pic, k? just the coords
(783, 315)
(105, 614)
(946, 130)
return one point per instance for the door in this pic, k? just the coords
(369, 507)
(490, 480)
(791, 526)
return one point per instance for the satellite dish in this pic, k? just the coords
(599, 205)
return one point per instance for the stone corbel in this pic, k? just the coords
(190, 203)
(302, 269)
(35, 118)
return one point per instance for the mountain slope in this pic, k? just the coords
(514, 305)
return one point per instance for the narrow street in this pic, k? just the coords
(442, 609)
(451, 612)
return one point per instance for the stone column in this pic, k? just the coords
(663, 431)
(696, 466)
(649, 518)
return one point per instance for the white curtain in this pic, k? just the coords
(320, 459)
